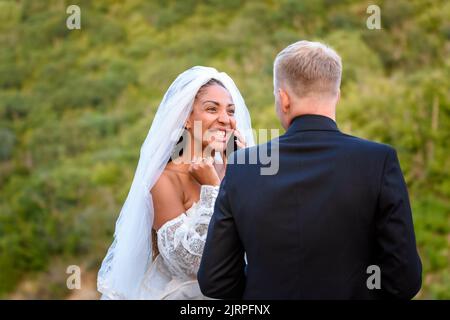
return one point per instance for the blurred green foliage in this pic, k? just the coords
(76, 105)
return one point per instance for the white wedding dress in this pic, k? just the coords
(173, 273)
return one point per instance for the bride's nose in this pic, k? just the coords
(224, 118)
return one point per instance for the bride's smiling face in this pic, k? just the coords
(214, 109)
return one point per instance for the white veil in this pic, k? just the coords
(130, 254)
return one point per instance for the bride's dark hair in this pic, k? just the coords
(210, 83)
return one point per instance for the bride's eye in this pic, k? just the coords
(231, 112)
(211, 108)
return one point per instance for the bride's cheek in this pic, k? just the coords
(233, 122)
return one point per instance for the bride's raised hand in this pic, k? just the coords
(202, 170)
(240, 141)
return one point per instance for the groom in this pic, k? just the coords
(333, 223)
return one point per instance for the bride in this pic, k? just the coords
(161, 229)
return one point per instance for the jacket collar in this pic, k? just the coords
(312, 122)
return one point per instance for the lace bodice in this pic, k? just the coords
(181, 240)
(180, 243)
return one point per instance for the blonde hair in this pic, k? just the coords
(308, 68)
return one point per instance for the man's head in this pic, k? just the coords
(307, 77)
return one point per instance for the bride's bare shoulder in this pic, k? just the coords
(167, 199)
(166, 181)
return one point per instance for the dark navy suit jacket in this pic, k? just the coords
(337, 205)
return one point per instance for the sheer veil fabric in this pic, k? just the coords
(130, 253)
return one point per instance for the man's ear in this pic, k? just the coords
(285, 100)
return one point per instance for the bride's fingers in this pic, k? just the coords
(208, 160)
(240, 139)
(240, 145)
(195, 162)
(198, 162)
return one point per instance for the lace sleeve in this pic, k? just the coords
(181, 240)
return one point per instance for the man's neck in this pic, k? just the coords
(314, 106)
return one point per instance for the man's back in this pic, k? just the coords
(337, 205)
